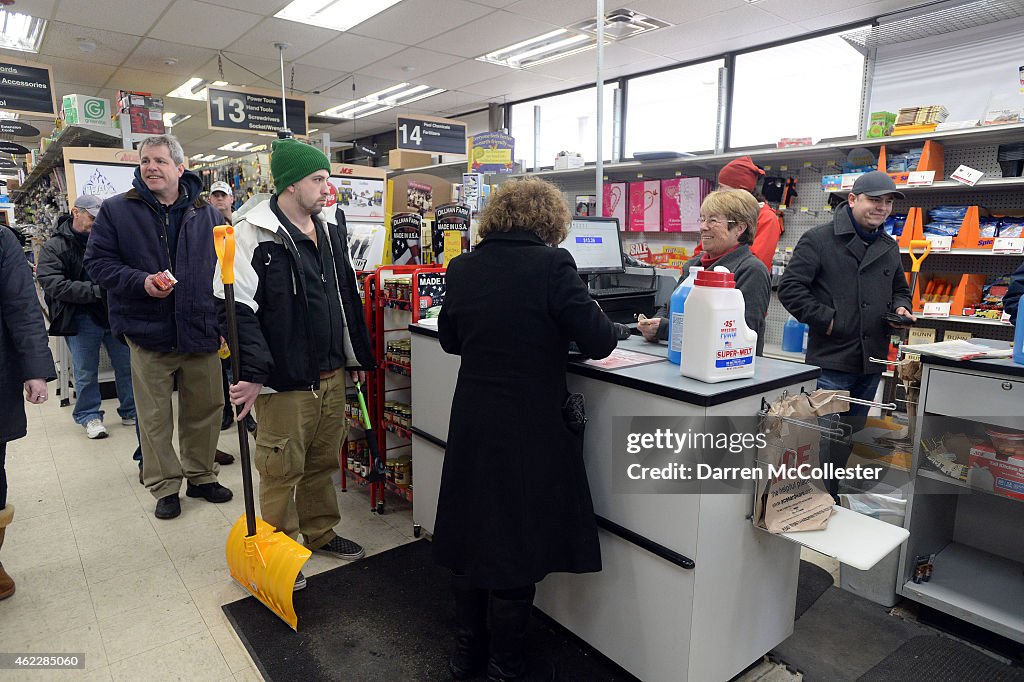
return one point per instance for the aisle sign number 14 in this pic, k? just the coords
(432, 135)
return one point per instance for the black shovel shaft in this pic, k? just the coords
(243, 435)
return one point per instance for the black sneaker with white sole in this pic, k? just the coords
(343, 549)
(300, 582)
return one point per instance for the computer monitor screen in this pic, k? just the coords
(595, 245)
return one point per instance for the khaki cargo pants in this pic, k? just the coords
(298, 443)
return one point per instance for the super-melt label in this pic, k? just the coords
(734, 357)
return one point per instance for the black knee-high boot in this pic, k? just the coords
(470, 653)
(508, 619)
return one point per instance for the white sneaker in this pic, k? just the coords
(94, 429)
(128, 421)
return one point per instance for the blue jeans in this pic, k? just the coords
(85, 353)
(861, 386)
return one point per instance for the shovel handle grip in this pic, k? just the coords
(224, 245)
(362, 406)
(915, 260)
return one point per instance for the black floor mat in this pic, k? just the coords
(813, 582)
(940, 659)
(388, 617)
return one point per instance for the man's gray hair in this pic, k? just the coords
(169, 141)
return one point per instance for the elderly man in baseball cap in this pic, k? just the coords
(844, 278)
(222, 198)
(78, 311)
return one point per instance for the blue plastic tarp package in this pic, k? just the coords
(942, 229)
(894, 224)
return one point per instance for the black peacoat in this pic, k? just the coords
(24, 349)
(834, 277)
(514, 502)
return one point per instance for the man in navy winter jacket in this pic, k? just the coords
(173, 332)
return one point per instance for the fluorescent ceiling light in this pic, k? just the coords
(21, 32)
(244, 147)
(172, 119)
(219, 158)
(208, 157)
(194, 88)
(196, 157)
(340, 15)
(565, 42)
(229, 147)
(388, 98)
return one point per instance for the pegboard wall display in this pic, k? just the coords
(975, 148)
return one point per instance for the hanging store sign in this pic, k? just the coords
(18, 129)
(254, 111)
(491, 153)
(8, 164)
(12, 148)
(432, 135)
(26, 88)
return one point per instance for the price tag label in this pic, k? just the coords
(805, 209)
(1010, 245)
(807, 164)
(940, 244)
(967, 175)
(783, 168)
(848, 180)
(1005, 318)
(936, 309)
(920, 178)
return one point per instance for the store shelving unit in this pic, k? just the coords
(971, 532)
(389, 314)
(72, 136)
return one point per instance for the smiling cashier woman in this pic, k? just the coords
(728, 222)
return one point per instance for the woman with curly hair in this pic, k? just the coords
(514, 503)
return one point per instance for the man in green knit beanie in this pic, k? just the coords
(301, 330)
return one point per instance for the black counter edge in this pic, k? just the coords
(615, 529)
(611, 377)
(429, 438)
(651, 546)
(667, 391)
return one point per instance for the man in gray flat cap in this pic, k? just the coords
(78, 311)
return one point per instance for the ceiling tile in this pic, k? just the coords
(560, 13)
(412, 22)
(847, 16)
(112, 15)
(682, 13)
(68, 88)
(240, 69)
(495, 3)
(151, 55)
(412, 65)
(264, 7)
(349, 52)
(81, 72)
(513, 82)
(61, 40)
(41, 9)
(146, 81)
(490, 33)
(306, 78)
(713, 29)
(584, 64)
(196, 23)
(465, 73)
(301, 39)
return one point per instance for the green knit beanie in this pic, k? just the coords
(292, 160)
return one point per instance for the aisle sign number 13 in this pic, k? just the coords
(235, 107)
(430, 134)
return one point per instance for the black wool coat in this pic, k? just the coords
(514, 503)
(24, 349)
(833, 275)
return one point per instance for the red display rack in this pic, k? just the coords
(413, 301)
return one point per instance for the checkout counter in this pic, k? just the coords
(690, 589)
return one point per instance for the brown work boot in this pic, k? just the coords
(6, 581)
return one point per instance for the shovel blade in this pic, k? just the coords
(266, 564)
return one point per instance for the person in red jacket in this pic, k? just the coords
(743, 173)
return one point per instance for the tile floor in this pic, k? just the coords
(98, 574)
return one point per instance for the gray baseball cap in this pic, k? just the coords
(90, 203)
(221, 186)
(876, 184)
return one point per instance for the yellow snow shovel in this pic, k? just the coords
(262, 559)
